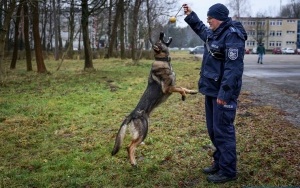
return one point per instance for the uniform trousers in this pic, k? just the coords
(221, 130)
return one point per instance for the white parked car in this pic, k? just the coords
(197, 50)
(254, 50)
(288, 50)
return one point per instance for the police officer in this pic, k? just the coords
(220, 81)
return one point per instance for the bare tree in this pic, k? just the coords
(88, 64)
(8, 11)
(134, 29)
(296, 8)
(56, 36)
(71, 17)
(157, 13)
(259, 30)
(109, 30)
(26, 37)
(95, 6)
(122, 28)
(285, 11)
(41, 68)
(88, 60)
(132, 24)
(60, 43)
(291, 10)
(239, 7)
(45, 9)
(16, 38)
(114, 33)
(149, 19)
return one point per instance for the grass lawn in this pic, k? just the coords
(58, 130)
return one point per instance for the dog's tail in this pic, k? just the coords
(120, 136)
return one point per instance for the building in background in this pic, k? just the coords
(272, 32)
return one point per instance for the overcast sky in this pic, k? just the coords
(201, 7)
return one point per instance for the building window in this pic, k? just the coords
(278, 33)
(251, 22)
(272, 22)
(290, 42)
(291, 21)
(279, 22)
(251, 33)
(250, 43)
(290, 32)
(261, 23)
(272, 33)
(261, 33)
(278, 44)
(272, 44)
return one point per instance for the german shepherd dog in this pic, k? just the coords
(161, 84)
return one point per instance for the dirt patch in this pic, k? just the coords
(266, 94)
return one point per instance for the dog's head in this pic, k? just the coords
(160, 48)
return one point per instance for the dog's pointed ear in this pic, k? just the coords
(161, 38)
(169, 42)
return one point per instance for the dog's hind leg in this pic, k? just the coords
(138, 129)
(131, 150)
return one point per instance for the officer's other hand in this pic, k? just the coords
(221, 102)
(186, 9)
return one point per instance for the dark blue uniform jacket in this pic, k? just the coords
(221, 78)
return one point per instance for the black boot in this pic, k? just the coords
(219, 178)
(210, 170)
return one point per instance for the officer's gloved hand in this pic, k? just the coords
(186, 9)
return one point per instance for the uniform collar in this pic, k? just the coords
(223, 26)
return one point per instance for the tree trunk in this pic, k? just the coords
(107, 55)
(149, 21)
(16, 42)
(26, 38)
(114, 34)
(88, 62)
(122, 30)
(56, 48)
(1, 14)
(58, 11)
(3, 32)
(79, 39)
(71, 29)
(44, 24)
(134, 37)
(41, 68)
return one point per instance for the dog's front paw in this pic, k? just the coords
(193, 92)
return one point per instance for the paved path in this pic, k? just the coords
(280, 70)
(276, 82)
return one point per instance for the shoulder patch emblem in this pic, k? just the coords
(233, 53)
